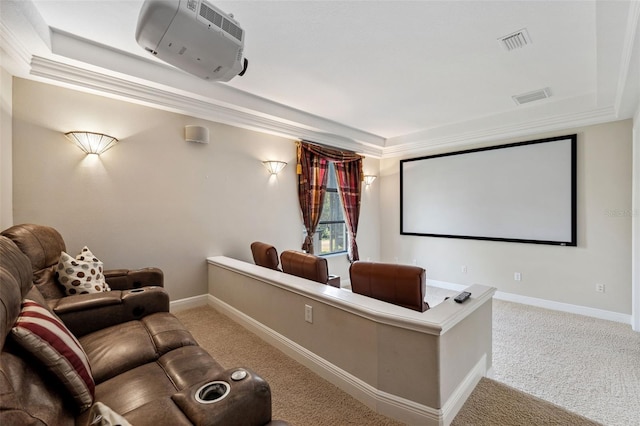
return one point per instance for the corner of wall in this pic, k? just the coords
(635, 225)
(6, 142)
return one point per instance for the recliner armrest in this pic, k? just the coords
(83, 302)
(126, 279)
(85, 313)
(247, 403)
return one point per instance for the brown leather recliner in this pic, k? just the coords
(402, 285)
(305, 265)
(265, 255)
(149, 369)
(134, 292)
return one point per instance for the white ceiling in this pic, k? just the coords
(381, 77)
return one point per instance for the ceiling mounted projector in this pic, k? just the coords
(193, 35)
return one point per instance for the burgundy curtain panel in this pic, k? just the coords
(349, 186)
(312, 185)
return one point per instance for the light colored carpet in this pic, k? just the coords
(299, 396)
(303, 398)
(495, 404)
(587, 365)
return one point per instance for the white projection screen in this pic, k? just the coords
(521, 192)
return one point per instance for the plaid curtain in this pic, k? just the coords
(349, 184)
(312, 184)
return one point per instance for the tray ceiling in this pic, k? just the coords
(381, 77)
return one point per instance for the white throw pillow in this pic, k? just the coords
(101, 415)
(81, 275)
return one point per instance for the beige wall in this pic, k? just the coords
(353, 340)
(154, 199)
(563, 274)
(635, 255)
(6, 205)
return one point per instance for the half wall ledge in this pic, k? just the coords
(416, 367)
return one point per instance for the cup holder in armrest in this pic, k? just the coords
(212, 392)
(136, 290)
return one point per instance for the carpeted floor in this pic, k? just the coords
(586, 365)
(496, 404)
(303, 398)
(299, 396)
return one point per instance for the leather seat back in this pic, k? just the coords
(43, 246)
(305, 265)
(265, 255)
(402, 285)
(28, 395)
(15, 283)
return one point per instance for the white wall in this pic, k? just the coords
(636, 222)
(563, 274)
(154, 199)
(6, 205)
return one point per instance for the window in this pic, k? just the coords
(331, 234)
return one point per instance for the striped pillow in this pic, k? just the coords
(43, 334)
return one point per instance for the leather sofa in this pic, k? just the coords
(305, 265)
(402, 285)
(133, 294)
(265, 255)
(148, 369)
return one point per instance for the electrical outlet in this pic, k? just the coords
(600, 288)
(463, 269)
(517, 276)
(308, 313)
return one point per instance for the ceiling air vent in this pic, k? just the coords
(532, 96)
(515, 40)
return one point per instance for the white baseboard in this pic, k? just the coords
(544, 303)
(188, 303)
(461, 393)
(406, 411)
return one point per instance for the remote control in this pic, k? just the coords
(462, 296)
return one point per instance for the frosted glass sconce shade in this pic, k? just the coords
(368, 179)
(274, 167)
(90, 142)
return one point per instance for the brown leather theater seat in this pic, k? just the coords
(265, 255)
(144, 364)
(305, 265)
(402, 285)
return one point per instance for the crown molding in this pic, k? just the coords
(89, 66)
(119, 88)
(12, 47)
(627, 53)
(555, 123)
(110, 61)
(106, 85)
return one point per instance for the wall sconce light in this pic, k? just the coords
(368, 179)
(197, 134)
(274, 167)
(90, 142)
